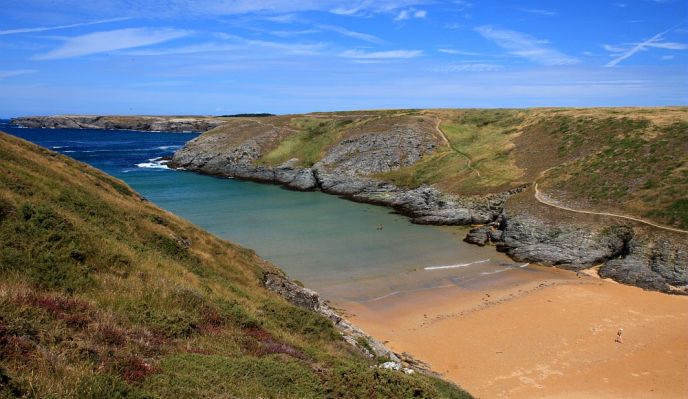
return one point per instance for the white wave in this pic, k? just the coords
(384, 296)
(505, 269)
(154, 163)
(168, 147)
(68, 152)
(495, 272)
(455, 266)
(55, 147)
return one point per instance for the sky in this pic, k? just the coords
(215, 57)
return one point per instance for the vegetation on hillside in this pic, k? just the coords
(103, 295)
(625, 163)
(477, 159)
(309, 142)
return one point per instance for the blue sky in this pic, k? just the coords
(281, 56)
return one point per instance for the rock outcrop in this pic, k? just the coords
(144, 123)
(310, 300)
(624, 254)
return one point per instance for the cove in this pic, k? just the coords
(332, 245)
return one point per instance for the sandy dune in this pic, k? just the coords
(523, 337)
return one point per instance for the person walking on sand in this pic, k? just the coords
(380, 227)
(618, 336)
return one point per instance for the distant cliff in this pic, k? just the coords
(145, 123)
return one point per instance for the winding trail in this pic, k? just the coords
(543, 200)
(450, 145)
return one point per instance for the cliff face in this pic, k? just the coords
(144, 123)
(479, 170)
(349, 167)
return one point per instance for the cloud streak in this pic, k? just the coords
(15, 72)
(547, 13)
(352, 34)
(655, 41)
(523, 45)
(49, 28)
(378, 55)
(101, 42)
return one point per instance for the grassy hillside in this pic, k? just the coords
(104, 295)
(621, 160)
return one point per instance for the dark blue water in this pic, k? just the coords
(330, 244)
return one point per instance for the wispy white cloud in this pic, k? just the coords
(288, 48)
(457, 52)
(236, 45)
(409, 13)
(184, 50)
(547, 13)
(668, 45)
(120, 39)
(292, 33)
(525, 46)
(359, 54)
(15, 72)
(349, 33)
(657, 41)
(49, 28)
(162, 83)
(613, 49)
(367, 7)
(468, 67)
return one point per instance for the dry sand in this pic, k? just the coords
(521, 336)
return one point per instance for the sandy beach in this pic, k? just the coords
(549, 334)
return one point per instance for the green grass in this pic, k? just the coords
(631, 164)
(103, 295)
(481, 136)
(309, 143)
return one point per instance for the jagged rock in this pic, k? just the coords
(378, 152)
(309, 299)
(659, 265)
(495, 235)
(299, 296)
(527, 239)
(304, 180)
(479, 235)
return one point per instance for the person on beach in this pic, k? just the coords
(618, 336)
(379, 227)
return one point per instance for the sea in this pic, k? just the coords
(330, 244)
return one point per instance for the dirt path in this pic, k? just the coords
(450, 145)
(273, 125)
(540, 198)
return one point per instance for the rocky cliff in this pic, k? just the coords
(361, 154)
(145, 123)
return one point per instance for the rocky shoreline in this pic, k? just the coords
(625, 253)
(143, 123)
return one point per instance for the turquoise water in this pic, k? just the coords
(330, 244)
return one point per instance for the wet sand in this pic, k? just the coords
(547, 334)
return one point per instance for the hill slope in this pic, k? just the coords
(476, 166)
(104, 295)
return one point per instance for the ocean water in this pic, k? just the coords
(328, 243)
